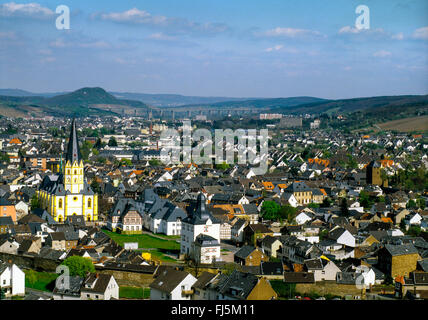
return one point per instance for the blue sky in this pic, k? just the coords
(229, 48)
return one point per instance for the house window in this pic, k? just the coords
(88, 295)
(60, 204)
(75, 199)
(89, 203)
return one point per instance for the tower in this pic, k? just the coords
(73, 170)
(373, 173)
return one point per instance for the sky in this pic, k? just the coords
(232, 48)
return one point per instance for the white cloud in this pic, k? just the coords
(354, 30)
(60, 43)
(275, 48)
(398, 36)
(382, 54)
(288, 33)
(161, 36)
(421, 33)
(32, 10)
(142, 17)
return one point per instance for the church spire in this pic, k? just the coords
(73, 151)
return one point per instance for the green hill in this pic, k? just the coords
(88, 97)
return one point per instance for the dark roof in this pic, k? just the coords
(237, 285)
(98, 282)
(168, 280)
(75, 284)
(73, 150)
(4, 221)
(203, 280)
(398, 250)
(200, 214)
(271, 268)
(299, 277)
(244, 252)
(206, 241)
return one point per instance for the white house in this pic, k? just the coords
(201, 221)
(172, 284)
(99, 287)
(12, 280)
(303, 217)
(342, 236)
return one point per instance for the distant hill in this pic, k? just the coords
(16, 93)
(90, 96)
(359, 104)
(271, 103)
(82, 102)
(172, 100)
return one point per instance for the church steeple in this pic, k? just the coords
(73, 150)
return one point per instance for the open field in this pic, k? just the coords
(406, 125)
(144, 241)
(134, 293)
(44, 280)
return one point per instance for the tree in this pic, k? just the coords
(223, 166)
(323, 234)
(31, 277)
(288, 213)
(79, 266)
(313, 205)
(326, 202)
(2, 294)
(270, 210)
(414, 231)
(125, 162)
(155, 162)
(112, 142)
(411, 204)
(35, 202)
(344, 207)
(96, 186)
(85, 150)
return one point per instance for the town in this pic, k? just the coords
(91, 209)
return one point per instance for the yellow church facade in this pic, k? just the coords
(68, 194)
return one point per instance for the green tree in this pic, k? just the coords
(411, 204)
(414, 231)
(223, 166)
(326, 202)
(35, 202)
(85, 150)
(31, 277)
(155, 162)
(344, 207)
(125, 162)
(79, 266)
(323, 234)
(96, 186)
(270, 210)
(288, 213)
(112, 142)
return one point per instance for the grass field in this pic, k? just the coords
(144, 241)
(407, 124)
(44, 280)
(134, 293)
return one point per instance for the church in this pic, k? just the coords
(68, 194)
(200, 234)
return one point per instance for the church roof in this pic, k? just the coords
(200, 214)
(73, 150)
